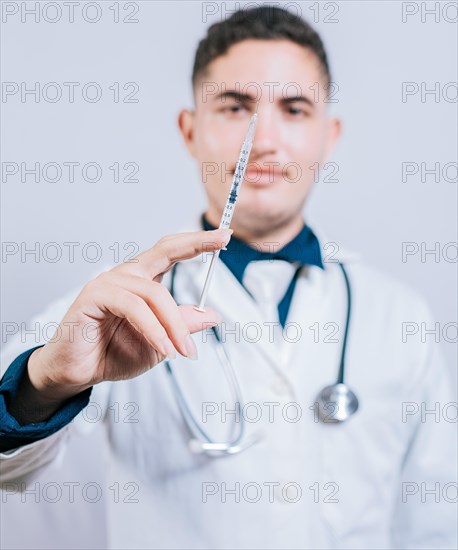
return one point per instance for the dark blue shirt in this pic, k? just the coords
(304, 249)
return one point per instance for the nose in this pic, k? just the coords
(266, 137)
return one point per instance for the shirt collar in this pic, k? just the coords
(303, 249)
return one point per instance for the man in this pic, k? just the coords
(289, 480)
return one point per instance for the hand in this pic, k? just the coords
(124, 322)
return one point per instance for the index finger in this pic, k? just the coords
(174, 248)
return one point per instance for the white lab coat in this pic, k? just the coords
(304, 484)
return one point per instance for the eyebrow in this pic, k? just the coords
(238, 96)
(297, 99)
(247, 98)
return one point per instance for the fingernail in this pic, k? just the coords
(224, 230)
(227, 236)
(169, 348)
(191, 350)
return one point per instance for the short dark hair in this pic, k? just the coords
(263, 23)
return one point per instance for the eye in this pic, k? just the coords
(234, 109)
(295, 111)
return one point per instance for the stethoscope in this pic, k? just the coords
(335, 403)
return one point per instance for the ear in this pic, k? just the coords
(333, 134)
(186, 125)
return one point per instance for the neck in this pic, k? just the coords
(280, 234)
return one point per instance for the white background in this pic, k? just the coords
(369, 209)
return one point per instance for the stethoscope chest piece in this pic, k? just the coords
(336, 403)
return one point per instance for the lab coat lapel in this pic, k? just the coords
(237, 309)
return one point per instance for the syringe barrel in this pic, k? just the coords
(228, 212)
(239, 173)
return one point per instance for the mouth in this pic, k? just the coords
(262, 178)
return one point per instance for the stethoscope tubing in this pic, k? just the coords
(234, 446)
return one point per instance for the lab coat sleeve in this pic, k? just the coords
(12, 434)
(27, 461)
(426, 507)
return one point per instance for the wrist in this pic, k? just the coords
(42, 388)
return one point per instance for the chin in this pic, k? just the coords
(258, 214)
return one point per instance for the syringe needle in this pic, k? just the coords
(228, 212)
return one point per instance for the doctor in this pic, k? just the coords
(385, 478)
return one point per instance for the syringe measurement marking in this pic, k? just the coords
(238, 174)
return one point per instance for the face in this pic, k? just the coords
(294, 134)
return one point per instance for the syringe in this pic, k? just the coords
(228, 211)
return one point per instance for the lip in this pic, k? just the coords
(262, 178)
